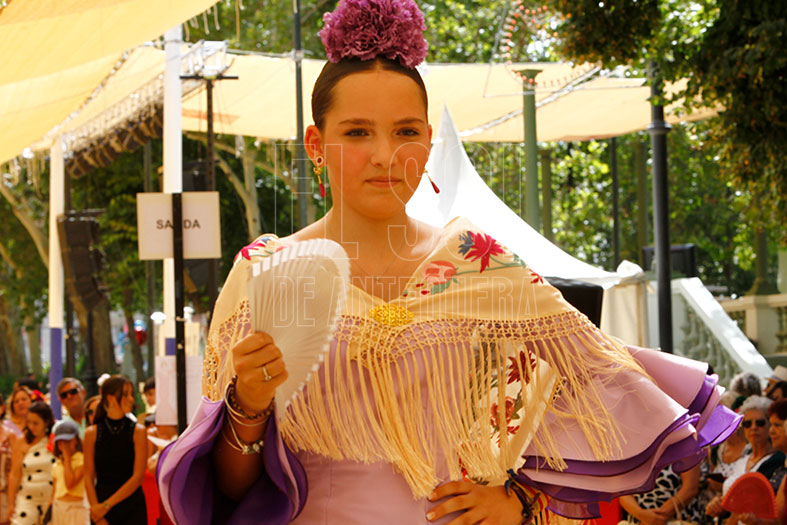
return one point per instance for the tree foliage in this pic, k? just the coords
(732, 54)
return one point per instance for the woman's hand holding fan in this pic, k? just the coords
(260, 369)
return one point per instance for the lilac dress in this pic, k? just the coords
(347, 493)
(667, 415)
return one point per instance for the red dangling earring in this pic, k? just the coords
(434, 186)
(318, 161)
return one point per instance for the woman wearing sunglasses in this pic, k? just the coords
(764, 458)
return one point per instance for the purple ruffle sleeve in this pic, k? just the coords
(667, 421)
(188, 488)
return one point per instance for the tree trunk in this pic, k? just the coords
(10, 340)
(103, 349)
(250, 184)
(23, 211)
(34, 345)
(136, 352)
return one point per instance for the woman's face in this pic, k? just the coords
(21, 403)
(776, 433)
(35, 424)
(69, 445)
(758, 427)
(127, 401)
(376, 141)
(90, 411)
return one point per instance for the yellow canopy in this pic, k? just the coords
(56, 53)
(485, 101)
(29, 109)
(40, 37)
(261, 102)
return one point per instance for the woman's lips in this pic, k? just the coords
(383, 182)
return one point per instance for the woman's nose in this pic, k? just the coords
(384, 152)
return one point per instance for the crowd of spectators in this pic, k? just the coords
(759, 445)
(93, 463)
(97, 464)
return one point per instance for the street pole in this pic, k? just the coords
(180, 322)
(150, 303)
(56, 277)
(658, 130)
(303, 179)
(640, 168)
(532, 212)
(546, 193)
(613, 167)
(210, 179)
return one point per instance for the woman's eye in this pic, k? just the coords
(356, 133)
(410, 132)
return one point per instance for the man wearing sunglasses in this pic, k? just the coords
(72, 397)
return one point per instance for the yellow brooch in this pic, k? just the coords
(391, 314)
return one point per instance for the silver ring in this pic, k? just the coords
(267, 377)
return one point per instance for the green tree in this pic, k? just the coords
(731, 53)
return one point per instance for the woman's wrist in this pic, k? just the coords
(239, 411)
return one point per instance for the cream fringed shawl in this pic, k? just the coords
(461, 368)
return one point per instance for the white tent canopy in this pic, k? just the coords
(464, 193)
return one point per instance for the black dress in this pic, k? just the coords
(114, 463)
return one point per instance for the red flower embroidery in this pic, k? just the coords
(509, 411)
(244, 252)
(439, 272)
(536, 278)
(424, 292)
(513, 368)
(484, 246)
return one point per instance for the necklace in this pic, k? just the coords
(115, 430)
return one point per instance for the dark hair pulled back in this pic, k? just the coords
(43, 411)
(333, 72)
(778, 409)
(112, 387)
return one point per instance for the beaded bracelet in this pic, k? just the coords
(236, 410)
(241, 446)
(512, 485)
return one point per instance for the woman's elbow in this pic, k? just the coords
(138, 478)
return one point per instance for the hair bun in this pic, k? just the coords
(367, 29)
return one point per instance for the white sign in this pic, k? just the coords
(201, 225)
(167, 388)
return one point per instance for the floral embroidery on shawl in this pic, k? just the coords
(258, 248)
(438, 275)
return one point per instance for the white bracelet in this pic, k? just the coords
(245, 448)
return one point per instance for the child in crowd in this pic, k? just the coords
(69, 506)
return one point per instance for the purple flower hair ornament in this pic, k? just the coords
(367, 29)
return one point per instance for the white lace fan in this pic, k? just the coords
(297, 295)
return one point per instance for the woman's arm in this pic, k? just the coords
(90, 465)
(18, 449)
(72, 476)
(645, 516)
(236, 472)
(689, 488)
(134, 482)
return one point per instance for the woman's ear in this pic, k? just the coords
(312, 141)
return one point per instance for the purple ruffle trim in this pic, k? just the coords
(717, 424)
(185, 476)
